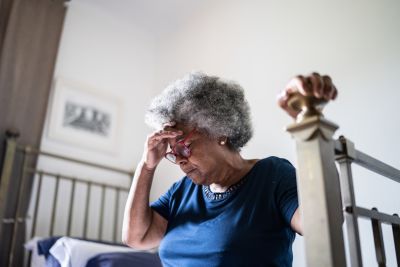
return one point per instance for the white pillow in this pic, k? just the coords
(72, 252)
(36, 259)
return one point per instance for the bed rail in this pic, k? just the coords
(347, 154)
(323, 192)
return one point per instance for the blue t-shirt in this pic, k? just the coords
(249, 226)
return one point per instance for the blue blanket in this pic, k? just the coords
(123, 259)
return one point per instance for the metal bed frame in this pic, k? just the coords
(17, 157)
(326, 198)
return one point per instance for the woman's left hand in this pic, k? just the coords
(319, 86)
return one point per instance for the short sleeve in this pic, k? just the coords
(286, 190)
(162, 205)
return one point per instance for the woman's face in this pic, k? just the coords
(202, 167)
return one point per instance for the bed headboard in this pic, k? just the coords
(44, 202)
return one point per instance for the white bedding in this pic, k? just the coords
(72, 252)
(36, 259)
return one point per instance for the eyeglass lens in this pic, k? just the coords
(171, 157)
(179, 150)
(182, 150)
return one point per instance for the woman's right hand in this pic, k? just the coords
(156, 146)
(316, 85)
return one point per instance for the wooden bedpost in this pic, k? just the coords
(318, 184)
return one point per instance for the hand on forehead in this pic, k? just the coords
(169, 126)
(173, 126)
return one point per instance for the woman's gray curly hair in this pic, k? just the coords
(214, 106)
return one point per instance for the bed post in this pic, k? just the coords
(6, 183)
(318, 184)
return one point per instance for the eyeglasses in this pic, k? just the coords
(180, 149)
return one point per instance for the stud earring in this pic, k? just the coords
(222, 143)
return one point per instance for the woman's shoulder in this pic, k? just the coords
(273, 166)
(273, 161)
(270, 172)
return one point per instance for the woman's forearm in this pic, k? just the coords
(138, 215)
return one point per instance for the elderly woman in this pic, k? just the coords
(226, 210)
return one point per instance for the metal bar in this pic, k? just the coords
(17, 218)
(5, 192)
(116, 214)
(319, 192)
(347, 189)
(54, 204)
(100, 234)
(71, 178)
(29, 258)
(378, 240)
(396, 239)
(71, 207)
(85, 224)
(367, 161)
(377, 166)
(374, 214)
(87, 163)
(35, 212)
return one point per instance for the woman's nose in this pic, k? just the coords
(181, 160)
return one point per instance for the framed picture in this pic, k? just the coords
(85, 117)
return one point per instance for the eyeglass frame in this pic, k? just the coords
(173, 152)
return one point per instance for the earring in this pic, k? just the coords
(222, 140)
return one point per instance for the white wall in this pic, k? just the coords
(261, 44)
(115, 57)
(110, 56)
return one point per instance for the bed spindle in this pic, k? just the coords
(378, 241)
(54, 205)
(71, 206)
(116, 214)
(85, 223)
(348, 199)
(396, 239)
(101, 216)
(36, 209)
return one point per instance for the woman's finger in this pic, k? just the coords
(301, 84)
(317, 84)
(329, 88)
(161, 135)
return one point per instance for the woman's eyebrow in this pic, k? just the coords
(181, 137)
(177, 139)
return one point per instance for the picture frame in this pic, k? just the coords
(83, 116)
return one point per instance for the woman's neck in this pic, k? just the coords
(234, 169)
